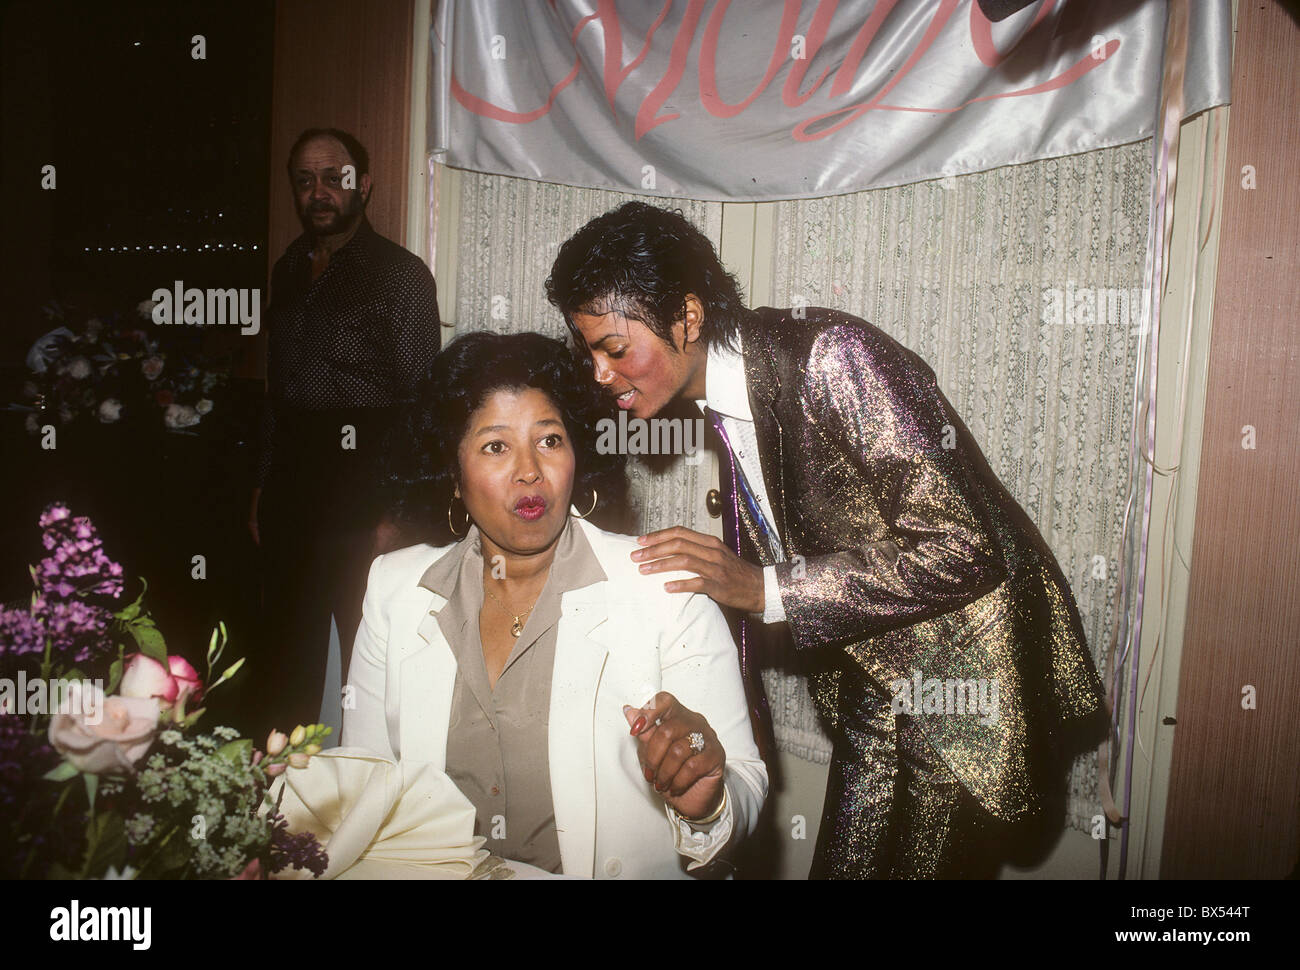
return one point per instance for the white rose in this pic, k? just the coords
(79, 368)
(179, 416)
(112, 737)
(110, 409)
(203, 406)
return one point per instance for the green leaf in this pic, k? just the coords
(129, 613)
(239, 751)
(105, 844)
(150, 641)
(92, 786)
(191, 717)
(62, 772)
(114, 675)
(174, 854)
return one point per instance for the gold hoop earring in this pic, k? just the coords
(593, 506)
(450, 505)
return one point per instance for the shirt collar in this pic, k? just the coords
(575, 564)
(726, 390)
(360, 241)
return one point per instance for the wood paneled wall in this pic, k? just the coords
(1234, 792)
(342, 64)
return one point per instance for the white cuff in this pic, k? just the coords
(773, 611)
(701, 842)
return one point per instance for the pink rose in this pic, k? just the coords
(186, 677)
(146, 677)
(111, 738)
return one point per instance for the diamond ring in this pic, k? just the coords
(696, 740)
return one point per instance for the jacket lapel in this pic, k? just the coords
(764, 391)
(428, 679)
(583, 641)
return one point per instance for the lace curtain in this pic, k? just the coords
(1020, 286)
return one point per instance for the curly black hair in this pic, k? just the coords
(423, 454)
(642, 261)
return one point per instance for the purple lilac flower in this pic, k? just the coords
(27, 806)
(77, 563)
(301, 851)
(79, 630)
(20, 632)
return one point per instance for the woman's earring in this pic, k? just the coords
(452, 527)
(589, 511)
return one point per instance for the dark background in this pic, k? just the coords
(152, 148)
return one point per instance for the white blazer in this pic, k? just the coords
(619, 642)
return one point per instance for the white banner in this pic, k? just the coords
(756, 100)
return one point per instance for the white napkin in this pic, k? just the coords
(379, 819)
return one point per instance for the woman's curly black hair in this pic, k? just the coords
(642, 261)
(423, 464)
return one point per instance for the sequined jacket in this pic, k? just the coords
(907, 555)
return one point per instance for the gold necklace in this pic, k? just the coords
(517, 628)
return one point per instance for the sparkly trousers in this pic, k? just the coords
(893, 809)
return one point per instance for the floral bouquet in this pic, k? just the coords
(103, 772)
(113, 370)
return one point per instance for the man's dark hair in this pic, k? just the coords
(360, 157)
(642, 261)
(424, 465)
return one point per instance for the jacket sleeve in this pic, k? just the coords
(881, 409)
(702, 670)
(364, 721)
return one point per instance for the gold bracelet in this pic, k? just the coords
(712, 816)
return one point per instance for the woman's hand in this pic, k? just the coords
(722, 575)
(690, 781)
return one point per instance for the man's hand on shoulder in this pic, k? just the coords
(721, 575)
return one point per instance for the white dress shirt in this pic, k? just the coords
(727, 392)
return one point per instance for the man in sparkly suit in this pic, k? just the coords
(943, 648)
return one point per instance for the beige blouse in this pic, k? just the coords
(497, 750)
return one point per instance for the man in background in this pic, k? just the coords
(353, 323)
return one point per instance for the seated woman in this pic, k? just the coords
(597, 723)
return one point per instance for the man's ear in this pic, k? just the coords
(364, 185)
(692, 319)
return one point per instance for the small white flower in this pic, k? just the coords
(151, 367)
(203, 406)
(127, 872)
(79, 368)
(179, 416)
(145, 309)
(110, 409)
